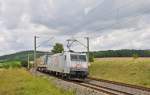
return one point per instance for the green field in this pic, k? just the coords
(127, 70)
(21, 82)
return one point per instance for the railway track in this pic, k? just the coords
(117, 88)
(103, 89)
(111, 87)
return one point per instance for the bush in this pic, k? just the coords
(6, 66)
(10, 64)
(24, 64)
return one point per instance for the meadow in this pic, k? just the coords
(15, 80)
(18, 81)
(127, 70)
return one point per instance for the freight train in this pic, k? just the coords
(70, 65)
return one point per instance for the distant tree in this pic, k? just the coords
(135, 56)
(25, 64)
(58, 48)
(91, 57)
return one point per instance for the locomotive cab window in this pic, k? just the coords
(82, 57)
(74, 57)
(78, 57)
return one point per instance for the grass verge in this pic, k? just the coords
(20, 82)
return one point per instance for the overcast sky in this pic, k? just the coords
(110, 24)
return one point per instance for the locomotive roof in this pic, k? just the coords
(66, 52)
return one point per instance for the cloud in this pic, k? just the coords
(12, 11)
(110, 24)
(122, 39)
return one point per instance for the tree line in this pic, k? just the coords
(121, 53)
(58, 48)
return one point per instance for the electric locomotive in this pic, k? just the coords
(67, 64)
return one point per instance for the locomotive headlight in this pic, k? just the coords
(78, 65)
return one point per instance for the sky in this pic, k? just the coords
(110, 24)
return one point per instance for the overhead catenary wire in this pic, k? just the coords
(128, 4)
(116, 17)
(44, 42)
(116, 14)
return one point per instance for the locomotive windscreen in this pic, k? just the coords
(78, 57)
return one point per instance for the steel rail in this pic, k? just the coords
(123, 87)
(121, 84)
(96, 88)
(121, 92)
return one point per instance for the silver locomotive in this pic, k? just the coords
(66, 64)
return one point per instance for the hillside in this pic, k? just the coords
(23, 55)
(97, 54)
